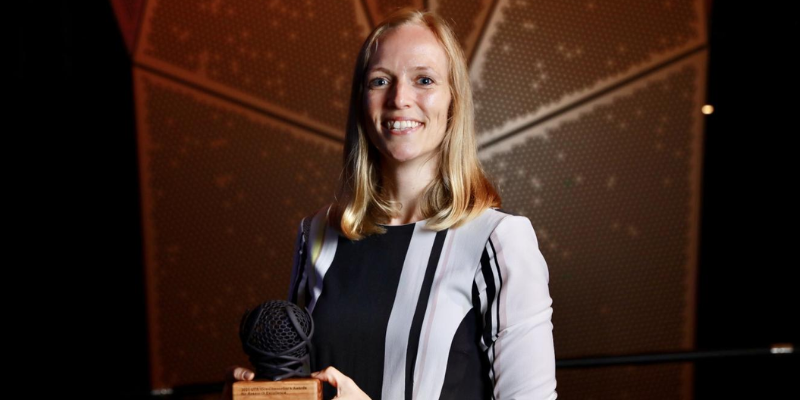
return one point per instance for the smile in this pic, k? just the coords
(401, 127)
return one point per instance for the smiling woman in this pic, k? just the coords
(407, 98)
(410, 150)
(420, 287)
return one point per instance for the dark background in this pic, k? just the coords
(81, 210)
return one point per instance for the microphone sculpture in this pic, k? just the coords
(277, 337)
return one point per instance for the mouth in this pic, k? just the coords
(396, 127)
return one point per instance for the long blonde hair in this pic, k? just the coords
(460, 192)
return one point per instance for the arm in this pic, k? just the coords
(517, 313)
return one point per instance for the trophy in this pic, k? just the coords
(277, 338)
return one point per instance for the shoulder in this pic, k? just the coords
(505, 212)
(312, 224)
(508, 223)
(491, 220)
(515, 244)
(316, 216)
(318, 213)
(512, 223)
(495, 227)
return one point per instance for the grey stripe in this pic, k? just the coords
(451, 300)
(405, 303)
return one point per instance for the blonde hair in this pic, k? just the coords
(461, 190)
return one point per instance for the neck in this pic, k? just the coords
(405, 182)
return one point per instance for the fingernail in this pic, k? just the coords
(249, 375)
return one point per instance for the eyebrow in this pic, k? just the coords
(417, 68)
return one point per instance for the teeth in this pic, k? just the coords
(401, 125)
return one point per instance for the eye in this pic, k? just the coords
(425, 81)
(377, 82)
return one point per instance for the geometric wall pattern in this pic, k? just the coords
(589, 122)
(223, 188)
(540, 56)
(611, 187)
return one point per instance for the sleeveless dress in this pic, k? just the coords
(462, 313)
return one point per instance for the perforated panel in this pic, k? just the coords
(289, 59)
(611, 189)
(466, 18)
(379, 9)
(537, 56)
(224, 190)
(588, 116)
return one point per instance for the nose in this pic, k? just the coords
(400, 95)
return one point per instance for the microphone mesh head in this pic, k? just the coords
(274, 331)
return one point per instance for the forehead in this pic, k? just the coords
(409, 46)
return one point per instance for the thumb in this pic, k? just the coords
(330, 375)
(235, 373)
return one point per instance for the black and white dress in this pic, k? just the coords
(463, 313)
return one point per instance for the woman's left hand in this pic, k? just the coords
(345, 387)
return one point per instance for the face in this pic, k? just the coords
(406, 95)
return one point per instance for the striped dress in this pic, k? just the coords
(463, 313)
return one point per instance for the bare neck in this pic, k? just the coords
(405, 183)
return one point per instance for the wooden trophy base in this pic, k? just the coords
(287, 389)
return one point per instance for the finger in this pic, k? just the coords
(235, 373)
(243, 374)
(332, 376)
(346, 388)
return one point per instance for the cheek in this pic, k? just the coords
(371, 112)
(438, 106)
(369, 106)
(373, 133)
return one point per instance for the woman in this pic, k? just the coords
(419, 286)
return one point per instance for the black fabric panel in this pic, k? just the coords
(497, 303)
(419, 313)
(488, 277)
(467, 375)
(353, 311)
(301, 263)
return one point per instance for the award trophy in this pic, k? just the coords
(277, 337)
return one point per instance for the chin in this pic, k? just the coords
(404, 156)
